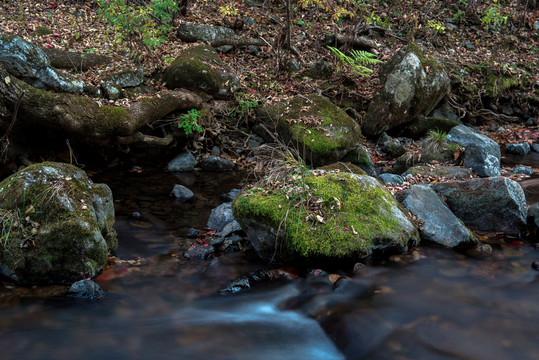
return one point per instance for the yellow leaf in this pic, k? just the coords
(7, 80)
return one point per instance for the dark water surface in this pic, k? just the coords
(429, 304)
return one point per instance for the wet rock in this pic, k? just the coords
(231, 195)
(481, 153)
(526, 170)
(519, 149)
(197, 251)
(392, 179)
(128, 78)
(201, 68)
(236, 286)
(183, 162)
(86, 290)
(192, 233)
(230, 228)
(30, 64)
(535, 265)
(220, 217)
(61, 225)
(481, 250)
(440, 225)
(182, 193)
(487, 204)
(420, 126)
(408, 91)
(533, 215)
(535, 147)
(214, 163)
(361, 157)
(445, 111)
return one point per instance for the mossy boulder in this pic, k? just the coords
(201, 68)
(321, 215)
(319, 129)
(57, 225)
(421, 125)
(497, 84)
(414, 84)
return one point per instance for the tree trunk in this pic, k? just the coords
(83, 118)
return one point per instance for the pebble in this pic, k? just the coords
(86, 290)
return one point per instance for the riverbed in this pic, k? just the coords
(431, 303)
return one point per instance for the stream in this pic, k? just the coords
(430, 304)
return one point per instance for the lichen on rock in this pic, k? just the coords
(57, 225)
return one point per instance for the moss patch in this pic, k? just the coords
(335, 215)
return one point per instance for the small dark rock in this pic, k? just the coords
(253, 49)
(192, 233)
(469, 46)
(231, 195)
(526, 170)
(86, 290)
(214, 163)
(392, 179)
(293, 65)
(225, 49)
(320, 70)
(535, 147)
(248, 21)
(111, 91)
(520, 149)
(394, 149)
(183, 162)
(182, 193)
(215, 151)
(197, 251)
(237, 286)
(220, 217)
(535, 265)
(481, 250)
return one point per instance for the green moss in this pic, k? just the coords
(496, 85)
(355, 213)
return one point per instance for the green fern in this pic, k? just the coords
(356, 60)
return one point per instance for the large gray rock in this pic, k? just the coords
(440, 225)
(481, 153)
(201, 68)
(190, 32)
(60, 225)
(322, 131)
(413, 84)
(354, 217)
(487, 204)
(128, 78)
(30, 64)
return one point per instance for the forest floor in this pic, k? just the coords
(476, 40)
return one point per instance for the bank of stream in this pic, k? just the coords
(429, 304)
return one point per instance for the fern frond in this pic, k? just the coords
(364, 57)
(358, 57)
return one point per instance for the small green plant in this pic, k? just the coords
(375, 20)
(438, 136)
(459, 16)
(189, 122)
(355, 60)
(494, 18)
(436, 25)
(246, 106)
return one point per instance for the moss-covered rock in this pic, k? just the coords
(323, 215)
(57, 225)
(497, 84)
(201, 68)
(421, 125)
(319, 129)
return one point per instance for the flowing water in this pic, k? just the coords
(429, 304)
